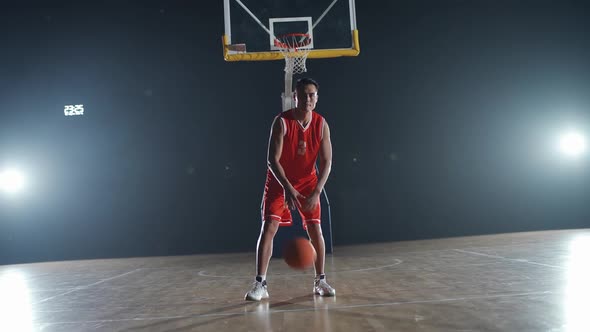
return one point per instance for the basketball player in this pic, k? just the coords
(298, 137)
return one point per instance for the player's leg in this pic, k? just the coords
(264, 246)
(320, 284)
(314, 231)
(274, 214)
(312, 224)
(259, 289)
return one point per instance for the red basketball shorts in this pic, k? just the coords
(274, 206)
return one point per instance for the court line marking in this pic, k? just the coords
(508, 259)
(329, 308)
(203, 273)
(87, 286)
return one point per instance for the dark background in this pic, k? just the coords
(443, 125)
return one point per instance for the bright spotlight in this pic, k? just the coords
(572, 144)
(11, 181)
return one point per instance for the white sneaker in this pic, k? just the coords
(321, 288)
(257, 292)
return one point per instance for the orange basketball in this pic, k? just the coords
(299, 253)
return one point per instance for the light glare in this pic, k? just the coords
(572, 144)
(11, 181)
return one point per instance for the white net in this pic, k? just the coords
(295, 61)
(295, 49)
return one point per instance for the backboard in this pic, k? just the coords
(251, 27)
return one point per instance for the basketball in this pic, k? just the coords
(299, 253)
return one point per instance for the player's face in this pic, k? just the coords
(307, 97)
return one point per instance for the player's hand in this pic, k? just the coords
(292, 198)
(311, 201)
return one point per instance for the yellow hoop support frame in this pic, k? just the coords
(313, 54)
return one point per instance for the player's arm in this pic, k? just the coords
(275, 149)
(325, 157)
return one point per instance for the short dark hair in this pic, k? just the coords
(302, 82)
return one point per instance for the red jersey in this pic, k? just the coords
(301, 146)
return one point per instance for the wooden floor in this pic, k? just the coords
(537, 281)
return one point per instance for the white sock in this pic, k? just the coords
(261, 276)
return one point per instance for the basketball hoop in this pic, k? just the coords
(295, 47)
